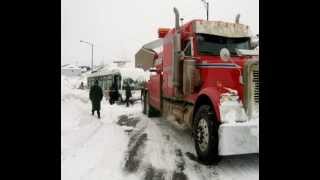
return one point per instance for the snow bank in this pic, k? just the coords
(90, 148)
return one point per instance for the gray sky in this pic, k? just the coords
(119, 28)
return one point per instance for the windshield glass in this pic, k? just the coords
(211, 44)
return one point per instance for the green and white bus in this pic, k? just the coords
(106, 77)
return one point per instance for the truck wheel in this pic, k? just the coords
(206, 135)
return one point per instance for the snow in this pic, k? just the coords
(84, 147)
(138, 148)
(231, 109)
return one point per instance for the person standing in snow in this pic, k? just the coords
(96, 96)
(143, 86)
(113, 93)
(81, 86)
(128, 93)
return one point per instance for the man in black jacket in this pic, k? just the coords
(96, 96)
(128, 93)
(113, 93)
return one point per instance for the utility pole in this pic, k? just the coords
(92, 57)
(207, 7)
(91, 44)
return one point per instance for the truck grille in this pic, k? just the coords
(251, 91)
(255, 83)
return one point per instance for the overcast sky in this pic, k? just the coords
(119, 28)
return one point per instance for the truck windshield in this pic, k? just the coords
(211, 44)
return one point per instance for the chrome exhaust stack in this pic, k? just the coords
(177, 50)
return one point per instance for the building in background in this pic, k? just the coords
(70, 70)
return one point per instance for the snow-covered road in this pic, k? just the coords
(125, 144)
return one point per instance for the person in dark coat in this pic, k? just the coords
(96, 96)
(81, 86)
(111, 96)
(128, 93)
(113, 93)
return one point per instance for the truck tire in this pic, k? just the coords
(205, 132)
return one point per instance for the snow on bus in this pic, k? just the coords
(120, 76)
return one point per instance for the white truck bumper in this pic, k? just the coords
(238, 138)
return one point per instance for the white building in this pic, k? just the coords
(70, 70)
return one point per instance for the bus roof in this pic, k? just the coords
(125, 72)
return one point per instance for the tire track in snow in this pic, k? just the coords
(154, 174)
(136, 143)
(178, 174)
(134, 156)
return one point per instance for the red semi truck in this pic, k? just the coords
(207, 77)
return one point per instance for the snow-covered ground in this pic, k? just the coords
(125, 144)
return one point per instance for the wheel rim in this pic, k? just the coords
(203, 135)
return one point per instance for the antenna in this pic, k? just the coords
(206, 3)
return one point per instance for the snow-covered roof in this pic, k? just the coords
(71, 66)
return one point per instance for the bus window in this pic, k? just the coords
(104, 82)
(130, 81)
(109, 82)
(100, 82)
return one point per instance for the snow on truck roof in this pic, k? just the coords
(221, 28)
